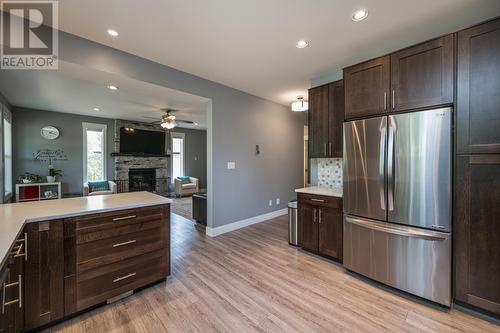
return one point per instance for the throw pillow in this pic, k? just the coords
(98, 186)
(184, 180)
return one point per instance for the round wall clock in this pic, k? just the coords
(49, 132)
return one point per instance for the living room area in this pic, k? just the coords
(81, 132)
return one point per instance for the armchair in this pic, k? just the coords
(87, 192)
(186, 188)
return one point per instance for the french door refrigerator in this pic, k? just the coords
(397, 201)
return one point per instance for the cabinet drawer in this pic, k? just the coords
(320, 200)
(97, 285)
(108, 250)
(97, 222)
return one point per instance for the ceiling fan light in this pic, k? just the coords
(300, 105)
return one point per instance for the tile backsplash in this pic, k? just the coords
(327, 172)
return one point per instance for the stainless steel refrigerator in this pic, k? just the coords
(397, 201)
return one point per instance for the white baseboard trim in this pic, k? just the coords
(212, 232)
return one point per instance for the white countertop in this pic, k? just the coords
(320, 190)
(14, 216)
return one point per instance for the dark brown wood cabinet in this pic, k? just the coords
(43, 278)
(336, 118)
(320, 224)
(476, 231)
(318, 121)
(367, 87)
(478, 89)
(422, 75)
(326, 115)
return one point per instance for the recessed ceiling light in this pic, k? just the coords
(113, 33)
(97, 109)
(195, 124)
(301, 44)
(359, 15)
(112, 87)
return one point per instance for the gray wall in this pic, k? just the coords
(195, 157)
(27, 140)
(239, 122)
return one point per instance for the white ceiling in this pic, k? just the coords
(250, 44)
(78, 90)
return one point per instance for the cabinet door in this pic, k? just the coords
(478, 89)
(476, 231)
(16, 292)
(422, 75)
(330, 232)
(318, 121)
(336, 118)
(366, 88)
(44, 273)
(308, 227)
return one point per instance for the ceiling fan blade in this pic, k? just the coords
(184, 121)
(148, 117)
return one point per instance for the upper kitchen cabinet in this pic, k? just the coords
(335, 118)
(318, 121)
(366, 88)
(422, 75)
(326, 114)
(478, 89)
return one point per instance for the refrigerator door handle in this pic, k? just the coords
(397, 230)
(390, 164)
(381, 166)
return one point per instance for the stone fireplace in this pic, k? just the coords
(150, 173)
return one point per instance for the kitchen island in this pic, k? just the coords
(60, 257)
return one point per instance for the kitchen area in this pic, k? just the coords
(405, 171)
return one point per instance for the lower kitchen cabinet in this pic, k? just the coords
(476, 232)
(44, 290)
(320, 224)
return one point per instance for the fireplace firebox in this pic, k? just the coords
(142, 180)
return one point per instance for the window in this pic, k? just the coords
(94, 152)
(7, 155)
(177, 155)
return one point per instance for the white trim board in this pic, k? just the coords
(212, 232)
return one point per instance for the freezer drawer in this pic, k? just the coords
(414, 260)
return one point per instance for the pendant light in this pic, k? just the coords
(300, 105)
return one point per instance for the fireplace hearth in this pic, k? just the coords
(142, 180)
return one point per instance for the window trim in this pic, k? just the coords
(6, 116)
(94, 126)
(178, 135)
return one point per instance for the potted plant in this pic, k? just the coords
(28, 178)
(53, 174)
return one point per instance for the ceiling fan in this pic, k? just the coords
(169, 121)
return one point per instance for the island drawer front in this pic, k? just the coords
(97, 222)
(320, 200)
(105, 251)
(100, 284)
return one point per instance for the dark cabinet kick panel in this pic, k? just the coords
(366, 88)
(422, 75)
(477, 231)
(478, 89)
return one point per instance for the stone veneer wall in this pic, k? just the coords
(329, 172)
(124, 163)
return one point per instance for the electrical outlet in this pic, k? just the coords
(277, 201)
(270, 202)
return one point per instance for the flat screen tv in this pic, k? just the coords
(142, 142)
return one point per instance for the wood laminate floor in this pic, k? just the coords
(251, 280)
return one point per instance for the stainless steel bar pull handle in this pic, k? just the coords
(125, 243)
(314, 215)
(330, 149)
(124, 277)
(319, 214)
(390, 164)
(18, 300)
(381, 166)
(324, 148)
(317, 200)
(385, 100)
(125, 218)
(393, 99)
